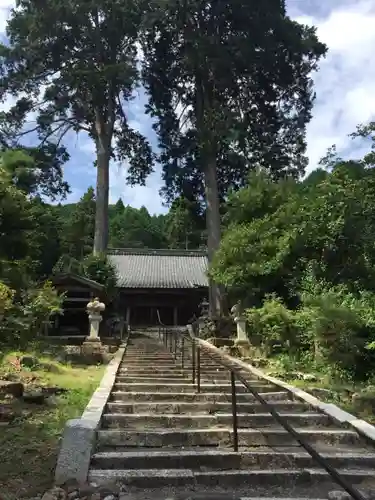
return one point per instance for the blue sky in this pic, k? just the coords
(344, 87)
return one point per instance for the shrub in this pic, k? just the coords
(24, 319)
(6, 298)
(275, 324)
(343, 324)
(99, 269)
(95, 267)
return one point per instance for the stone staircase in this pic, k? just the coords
(159, 438)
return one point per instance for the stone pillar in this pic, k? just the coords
(94, 309)
(240, 321)
(204, 313)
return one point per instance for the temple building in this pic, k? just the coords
(154, 286)
(168, 283)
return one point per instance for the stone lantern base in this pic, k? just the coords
(92, 346)
(242, 343)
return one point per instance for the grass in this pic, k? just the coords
(29, 445)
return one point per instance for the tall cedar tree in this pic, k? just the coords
(74, 63)
(229, 83)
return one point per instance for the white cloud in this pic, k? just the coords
(344, 83)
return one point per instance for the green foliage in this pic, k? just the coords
(184, 224)
(273, 238)
(231, 89)
(77, 90)
(301, 256)
(39, 304)
(133, 228)
(77, 232)
(37, 171)
(99, 269)
(221, 98)
(6, 298)
(275, 325)
(15, 218)
(26, 315)
(332, 326)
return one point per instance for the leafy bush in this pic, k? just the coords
(334, 325)
(6, 298)
(25, 318)
(40, 304)
(67, 264)
(95, 267)
(275, 324)
(99, 269)
(342, 324)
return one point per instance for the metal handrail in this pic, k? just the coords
(126, 343)
(234, 373)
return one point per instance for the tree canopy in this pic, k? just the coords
(230, 85)
(74, 66)
(276, 230)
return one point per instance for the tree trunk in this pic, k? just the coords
(102, 198)
(213, 230)
(207, 162)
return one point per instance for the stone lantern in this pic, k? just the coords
(240, 321)
(94, 309)
(204, 307)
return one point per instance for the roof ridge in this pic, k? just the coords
(158, 252)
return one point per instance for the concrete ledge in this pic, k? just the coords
(337, 414)
(79, 435)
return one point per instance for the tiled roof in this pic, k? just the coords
(145, 268)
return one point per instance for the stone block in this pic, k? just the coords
(14, 388)
(76, 447)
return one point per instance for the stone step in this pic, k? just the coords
(152, 421)
(159, 438)
(171, 360)
(209, 408)
(133, 379)
(173, 373)
(183, 388)
(157, 478)
(143, 357)
(176, 368)
(129, 378)
(186, 397)
(224, 460)
(148, 366)
(187, 376)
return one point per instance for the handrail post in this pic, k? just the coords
(193, 360)
(198, 369)
(175, 345)
(234, 411)
(182, 352)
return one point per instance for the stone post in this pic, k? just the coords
(204, 313)
(94, 308)
(240, 321)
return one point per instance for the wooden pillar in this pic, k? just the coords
(175, 315)
(127, 315)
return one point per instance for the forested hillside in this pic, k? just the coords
(300, 255)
